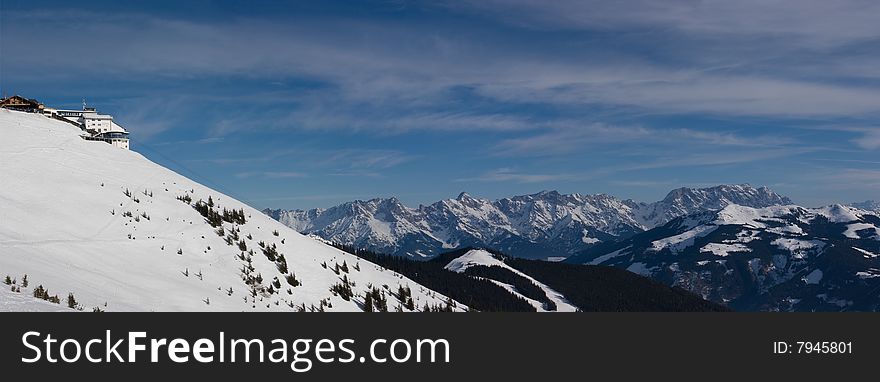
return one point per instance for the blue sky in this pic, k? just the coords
(309, 104)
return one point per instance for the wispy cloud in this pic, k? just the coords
(510, 175)
(811, 22)
(871, 139)
(844, 179)
(270, 174)
(569, 137)
(397, 72)
(366, 158)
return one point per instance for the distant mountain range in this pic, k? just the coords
(868, 205)
(545, 225)
(786, 258)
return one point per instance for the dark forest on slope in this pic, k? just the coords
(590, 288)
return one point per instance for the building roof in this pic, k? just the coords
(96, 116)
(17, 101)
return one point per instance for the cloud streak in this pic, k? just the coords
(510, 175)
(396, 67)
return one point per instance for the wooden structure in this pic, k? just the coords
(20, 103)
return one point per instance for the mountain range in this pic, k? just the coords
(868, 205)
(779, 258)
(545, 225)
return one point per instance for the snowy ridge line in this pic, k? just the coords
(482, 257)
(563, 224)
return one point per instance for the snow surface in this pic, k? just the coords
(722, 250)
(62, 203)
(481, 257)
(869, 274)
(798, 248)
(608, 256)
(683, 240)
(791, 229)
(839, 214)
(26, 302)
(866, 253)
(753, 217)
(852, 230)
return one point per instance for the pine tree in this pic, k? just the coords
(210, 201)
(7, 281)
(41, 293)
(71, 301)
(24, 282)
(368, 302)
(291, 279)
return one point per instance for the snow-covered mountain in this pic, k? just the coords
(542, 225)
(868, 205)
(686, 201)
(774, 258)
(122, 233)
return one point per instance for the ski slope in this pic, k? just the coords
(481, 257)
(64, 221)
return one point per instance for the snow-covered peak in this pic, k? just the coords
(471, 258)
(686, 201)
(735, 214)
(837, 213)
(480, 257)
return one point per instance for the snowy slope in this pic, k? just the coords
(64, 223)
(542, 225)
(18, 302)
(482, 257)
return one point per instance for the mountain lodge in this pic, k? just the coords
(95, 127)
